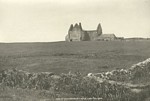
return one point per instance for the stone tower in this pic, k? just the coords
(76, 33)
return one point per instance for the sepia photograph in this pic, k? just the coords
(74, 50)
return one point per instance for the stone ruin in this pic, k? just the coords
(77, 33)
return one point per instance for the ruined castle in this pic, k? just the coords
(76, 33)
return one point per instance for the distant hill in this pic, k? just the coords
(137, 39)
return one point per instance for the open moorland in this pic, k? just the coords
(130, 84)
(62, 57)
(26, 71)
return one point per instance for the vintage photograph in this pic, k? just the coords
(74, 50)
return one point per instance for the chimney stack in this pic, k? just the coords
(80, 26)
(99, 29)
(71, 27)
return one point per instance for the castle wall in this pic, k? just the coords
(75, 35)
(92, 35)
(82, 36)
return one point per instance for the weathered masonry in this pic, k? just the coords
(76, 33)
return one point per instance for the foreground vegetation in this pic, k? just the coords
(107, 87)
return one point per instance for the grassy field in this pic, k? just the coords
(16, 94)
(62, 57)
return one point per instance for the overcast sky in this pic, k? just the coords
(49, 20)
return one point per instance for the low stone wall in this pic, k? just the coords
(135, 72)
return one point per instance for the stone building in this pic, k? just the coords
(107, 37)
(77, 33)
